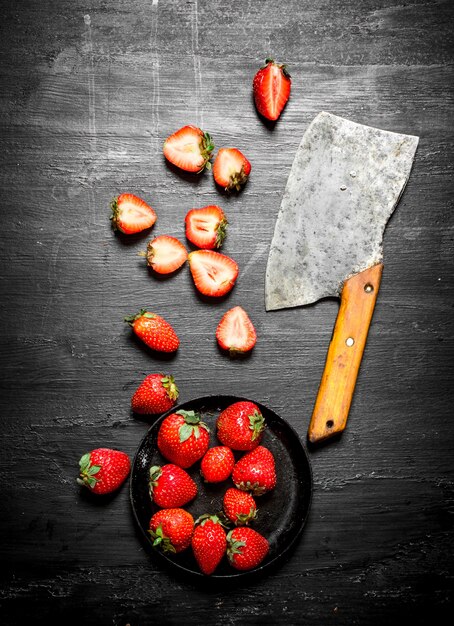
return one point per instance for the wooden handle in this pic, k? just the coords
(345, 352)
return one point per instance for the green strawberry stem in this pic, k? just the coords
(130, 319)
(87, 472)
(256, 424)
(191, 426)
(161, 541)
(168, 382)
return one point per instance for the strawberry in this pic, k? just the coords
(206, 227)
(246, 548)
(236, 332)
(189, 148)
(165, 254)
(255, 472)
(231, 169)
(214, 274)
(182, 438)
(170, 486)
(130, 214)
(239, 506)
(155, 394)
(103, 470)
(271, 87)
(217, 464)
(208, 542)
(154, 331)
(171, 530)
(240, 426)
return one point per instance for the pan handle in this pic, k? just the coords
(345, 352)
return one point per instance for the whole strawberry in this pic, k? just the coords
(217, 464)
(171, 530)
(170, 486)
(154, 331)
(156, 394)
(208, 542)
(182, 438)
(239, 506)
(246, 548)
(103, 470)
(255, 472)
(240, 426)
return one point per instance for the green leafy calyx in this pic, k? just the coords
(168, 382)
(233, 546)
(88, 472)
(191, 426)
(161, 541)
(130, 319)
(256, 424)
(221, 232)
(155, 473)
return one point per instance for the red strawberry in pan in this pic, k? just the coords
(206, 227)
(171, 530)
(170, 486)
(271, 87)
(208, 543)
(131, 214)
(217, 464)
(239, 507)
(240, 426)
(255, 472)
(246, 548)
(182, 438)
(231, 169)
(189, 148)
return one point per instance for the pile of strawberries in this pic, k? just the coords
(183, 439)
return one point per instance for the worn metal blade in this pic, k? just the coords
(346, 180)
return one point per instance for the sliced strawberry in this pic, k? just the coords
(165, 254)
(236, 332)
(206, 227)
(130, 214)
(214, 274)
(271, 87)
(189, 148)
(231, 169)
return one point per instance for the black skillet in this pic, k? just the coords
(282, 512)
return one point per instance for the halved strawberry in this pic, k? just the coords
(214, 274)
(236, 332)
(165, 254)
(271, 87)
(206, 227)
(189, 148)
(231, 169)
(130, 214)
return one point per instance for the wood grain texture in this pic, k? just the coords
(89, 91)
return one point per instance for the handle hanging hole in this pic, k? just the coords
(349, 341)
(329, 424)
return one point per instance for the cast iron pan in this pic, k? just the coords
(282, 512)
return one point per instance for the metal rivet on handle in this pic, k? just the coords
(343, 187)
(368, 288)
(349, 341)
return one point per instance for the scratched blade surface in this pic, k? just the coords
(346, 180)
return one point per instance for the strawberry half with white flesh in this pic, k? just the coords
(236, 332)
(214, 274)
(130, 214)
(189, 148)
(231, 169)
(206, 227)
(271, 87)
(165, 254)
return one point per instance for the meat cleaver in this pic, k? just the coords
(345, 182)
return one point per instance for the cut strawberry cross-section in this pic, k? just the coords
(214, 274)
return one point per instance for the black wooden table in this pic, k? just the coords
(89, 91)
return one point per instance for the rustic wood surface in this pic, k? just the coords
(89, 91)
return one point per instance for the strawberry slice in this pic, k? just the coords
(235, 331)
(165, 254)
(130, 214)
(271, 87)
(189, 148)
(231, 169)
(214, 274)
(206, 227)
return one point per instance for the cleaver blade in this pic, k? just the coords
(344, 184)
